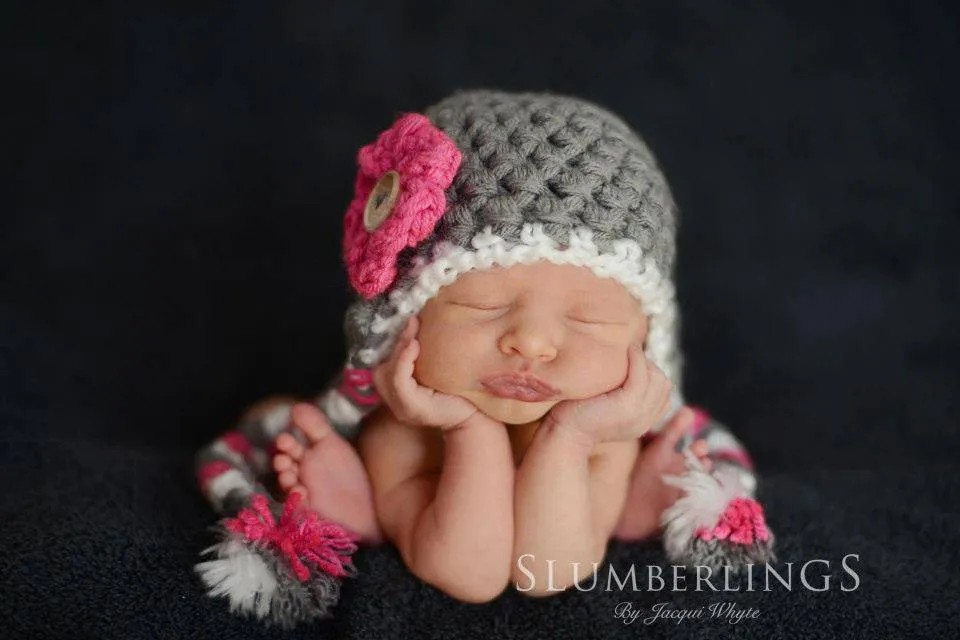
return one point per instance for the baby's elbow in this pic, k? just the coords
(477, 592)
(537, 586)
(472, 587)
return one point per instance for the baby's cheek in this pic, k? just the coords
(601, 369)
(446, 356)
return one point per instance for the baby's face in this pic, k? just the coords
(560, 323)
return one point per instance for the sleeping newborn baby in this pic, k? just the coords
(514, 404)
(524, 367)
(511, 392)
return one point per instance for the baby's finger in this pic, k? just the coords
(655, 393)
(410, 329)
(403, 372)
(665, 388)
(701, 449)
(410, 394)
(665, 400)
(637, 373)
(381, 378)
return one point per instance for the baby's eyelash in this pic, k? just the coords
(585, 321)
(479, 307)
(596, 321)
(501, 307)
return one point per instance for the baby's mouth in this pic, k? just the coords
(519, 387)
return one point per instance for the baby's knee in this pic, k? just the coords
(474, 590)
(476, 584)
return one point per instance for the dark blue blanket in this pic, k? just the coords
(172, 254)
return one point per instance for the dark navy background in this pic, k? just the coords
(179, 175)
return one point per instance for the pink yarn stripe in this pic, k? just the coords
(353, 381)
(237, 442)
(211, 470)
(358, 398)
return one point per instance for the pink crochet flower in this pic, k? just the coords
(426, 160)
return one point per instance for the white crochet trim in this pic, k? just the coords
(626, 264)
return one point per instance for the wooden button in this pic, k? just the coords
(381, 200)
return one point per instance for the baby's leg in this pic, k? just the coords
(322, 465)
(326, 469)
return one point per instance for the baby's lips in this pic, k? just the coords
(528, 388)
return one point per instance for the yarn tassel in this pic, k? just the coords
(716, 522)
(282, 571)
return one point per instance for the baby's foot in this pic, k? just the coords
(327, 472)
(648, 496)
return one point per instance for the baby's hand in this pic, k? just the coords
(410, 402)
(625, 413)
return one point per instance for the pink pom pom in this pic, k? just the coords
(301, 537)
(742, 522)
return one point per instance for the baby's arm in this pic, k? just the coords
(569, 496)
(445, 499)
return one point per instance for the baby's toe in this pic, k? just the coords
(309, 419)
(288, 480)
(283, 462)
(287, 444)
(701, 449)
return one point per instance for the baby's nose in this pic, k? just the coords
(530, 340)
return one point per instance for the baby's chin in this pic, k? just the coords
(507, 411)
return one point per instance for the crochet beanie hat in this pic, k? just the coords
(488, 178)
(481, 179)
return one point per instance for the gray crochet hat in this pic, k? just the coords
(490, 178)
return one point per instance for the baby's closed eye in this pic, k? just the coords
(480, 306)
(598, 315)
(595, 320)
(581, 317)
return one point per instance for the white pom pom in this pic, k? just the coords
(704, 500)
(240, 575)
